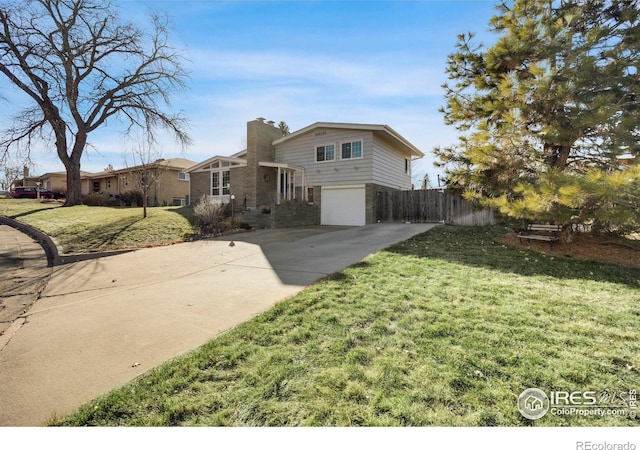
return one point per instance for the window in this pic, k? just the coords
(406, 165)
(325, 153)
(216, 178)
(96, 186)
(215, 183)
(352, 150)
(310, 194)
(183, 176)
(226, 176)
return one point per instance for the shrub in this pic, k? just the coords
(210, 217)
(96, 199)
(131, 198)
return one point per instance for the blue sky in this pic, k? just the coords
(377, 62)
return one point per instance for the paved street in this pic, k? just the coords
(100, 323)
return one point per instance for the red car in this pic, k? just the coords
(31, 192)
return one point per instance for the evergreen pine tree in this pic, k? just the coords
(548, 109)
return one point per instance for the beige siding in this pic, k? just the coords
(301, 152)
(56, 183)
(389, 166)
(380, 164)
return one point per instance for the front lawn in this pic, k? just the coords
(445, 329)
(82, 229)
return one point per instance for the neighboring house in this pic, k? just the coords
(27, 179)
(170, 183)
(57, 181)
(170, 186)
(337, 167)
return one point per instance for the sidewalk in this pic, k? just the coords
(23, 275)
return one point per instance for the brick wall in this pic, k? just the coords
(238, 187)
(294, 215)
(260, 181)
(169, 186)
(200, 185)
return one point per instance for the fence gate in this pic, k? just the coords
(429, 206)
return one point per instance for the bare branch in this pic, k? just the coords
(81, 64)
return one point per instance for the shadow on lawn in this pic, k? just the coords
(99, 237)
(34, 211)
(186, 212)
(480, 247)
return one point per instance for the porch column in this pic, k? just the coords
(279, 185)
(293, 184)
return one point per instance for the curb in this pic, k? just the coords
(51, 250)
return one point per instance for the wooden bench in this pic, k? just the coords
(541, 232)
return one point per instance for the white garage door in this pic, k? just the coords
(343, 205)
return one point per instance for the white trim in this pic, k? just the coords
(280, 165)
(347, 186)
(351, 142)
(315, 153)
(288, 191)
(220, 186)
(204, 166)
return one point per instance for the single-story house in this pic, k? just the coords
(170, 184)
(336, 167)
(170, 181)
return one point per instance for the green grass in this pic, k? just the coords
(445, 329)
(82, 229)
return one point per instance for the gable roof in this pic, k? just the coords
(179, 164)
(231, 159)
(386, 130)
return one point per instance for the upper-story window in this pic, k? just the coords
(325, 153)
(351, 150)
(183, 176)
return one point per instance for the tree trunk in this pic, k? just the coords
(74, 184)
(72, 164)
(144, 204)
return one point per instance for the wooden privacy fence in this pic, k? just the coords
(430, 205)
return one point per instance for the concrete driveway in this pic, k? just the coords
(100, 323)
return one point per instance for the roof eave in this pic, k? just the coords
(411, 149)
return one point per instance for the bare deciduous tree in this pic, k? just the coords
(81, 65)
(145, 168)
(10, 173)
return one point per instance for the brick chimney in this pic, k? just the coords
(261, 181)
